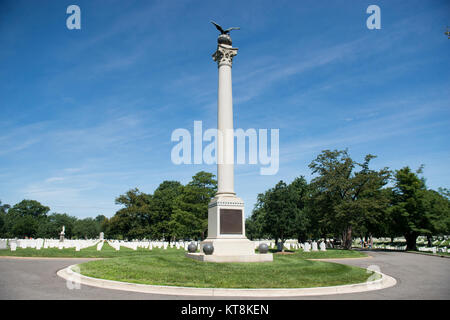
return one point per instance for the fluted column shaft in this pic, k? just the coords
(225, 142)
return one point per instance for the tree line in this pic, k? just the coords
(29, 218)
(347, 199)
(173, 211)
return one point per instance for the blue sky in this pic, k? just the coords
(86, 115)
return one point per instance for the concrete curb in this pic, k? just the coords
(74, 277)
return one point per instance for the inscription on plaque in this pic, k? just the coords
(230, 221)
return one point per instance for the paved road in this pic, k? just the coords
(418, 277)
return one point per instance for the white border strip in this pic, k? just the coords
(69, 275)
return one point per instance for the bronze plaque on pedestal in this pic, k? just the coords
(230, 221)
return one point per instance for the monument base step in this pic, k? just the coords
(230, 246)
(266, 257)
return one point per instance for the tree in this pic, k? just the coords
(29, 207)
(437, 213)
(190, 213)
(301, 195)
(254, 225)
(3, 211)
(51, 226)
(162, 208)
(25, 218)
(415, 210)
(346, 199)
(280, 210)
(87, 228)
(25, 226)
(132, 221)
(100, 218)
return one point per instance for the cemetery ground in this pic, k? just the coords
(171, 267)
(419, 277)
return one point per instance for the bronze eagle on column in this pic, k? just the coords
(227, 31)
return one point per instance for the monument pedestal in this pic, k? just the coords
(226, 232)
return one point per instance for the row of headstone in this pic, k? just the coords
(39, 244)
(307, 247)
(295, 245)
(389, 247)
(434, 249)
(134, 245)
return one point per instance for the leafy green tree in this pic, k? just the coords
(190, 213)
(301, 194)
(254, 225)
(345, 198)
(24, 219)
(162, 208)
(25, 226)
(51, 226)
(132, 221)
(87, 228)
(3, 211)
(437, 213)
(100, 218)
(29, 207)
(415, 210)
(280, 210)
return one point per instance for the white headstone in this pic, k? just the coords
(99, 246)
(13, 246)
(314, 246)
(306, 247)
(322, 246)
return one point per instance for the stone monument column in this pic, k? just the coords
(226, 220)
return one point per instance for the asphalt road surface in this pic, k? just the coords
(418, 277)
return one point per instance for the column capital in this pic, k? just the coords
(224, 55)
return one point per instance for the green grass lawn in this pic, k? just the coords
(332, 254)
(109, 252)
(172, 268)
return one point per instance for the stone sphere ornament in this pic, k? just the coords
(263, 248)
(224, 39)
(192, 247)
(208, 249)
